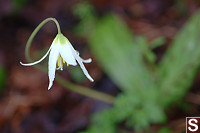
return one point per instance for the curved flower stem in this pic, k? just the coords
(28, 44)
(71, 86)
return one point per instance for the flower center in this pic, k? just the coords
(61, 61)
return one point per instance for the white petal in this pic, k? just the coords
(36, 62)
(83, 68)
(84, 61)
(87, 60)
(53, 57)
(67, 55)
(80, 61)
(77, 52)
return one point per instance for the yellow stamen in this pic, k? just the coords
(58, 60)
(61, 61)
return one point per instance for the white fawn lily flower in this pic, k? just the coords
(61, 51)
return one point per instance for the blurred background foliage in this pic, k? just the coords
(2, 78)
(145, 61)
(147, 88)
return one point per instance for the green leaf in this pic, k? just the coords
(180, 63)
(157, 42)
(114, 48)
(165, 130)
(122, 58)
(104, 122)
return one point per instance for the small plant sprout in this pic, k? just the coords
(61, 52)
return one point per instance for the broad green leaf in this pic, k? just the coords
(180, 63)
(123, 59)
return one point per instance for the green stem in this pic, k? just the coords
(85, 91)
(73, 87)
(28, 44)
(80, 89)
